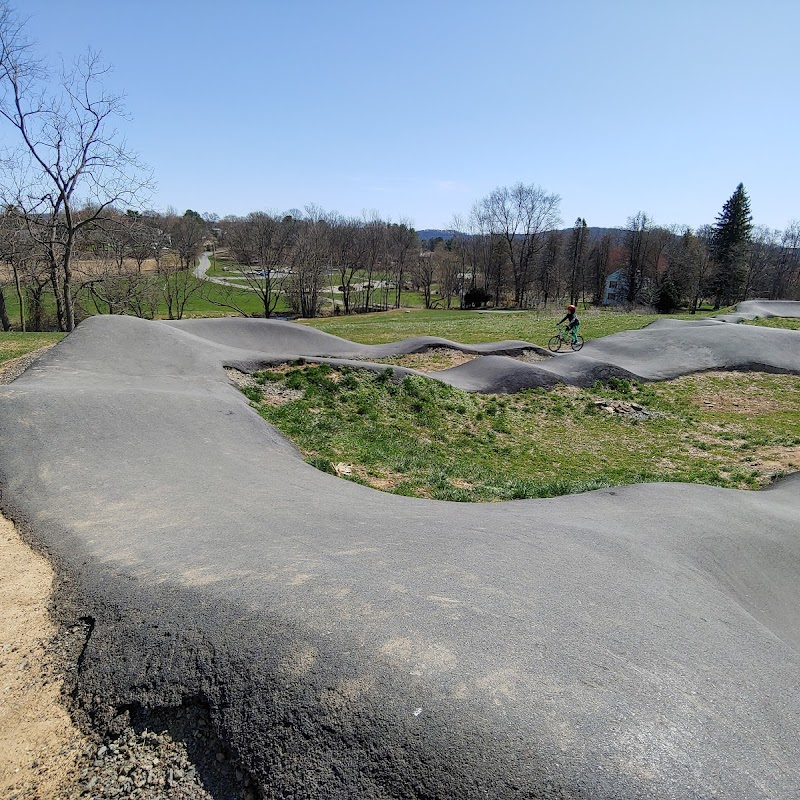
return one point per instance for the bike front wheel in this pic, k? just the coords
(577, 343)
(554, 344)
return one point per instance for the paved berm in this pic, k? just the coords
(638, 642)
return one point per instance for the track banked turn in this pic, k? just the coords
(630, 643)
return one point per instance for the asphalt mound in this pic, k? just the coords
(282, 339)
(766, 309)
(637, 642)
(666, 349)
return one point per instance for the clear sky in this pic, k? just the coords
(417, 109)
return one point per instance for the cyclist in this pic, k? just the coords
(573, 323)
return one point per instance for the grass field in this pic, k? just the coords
(15, 345)
(469, 327)
(778, 322)
(200, 304)
(422, 438)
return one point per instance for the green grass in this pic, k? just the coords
(422, 438)
(13, 345)
(777, 322)
(199, 304)
(216, 269)
(469, 327)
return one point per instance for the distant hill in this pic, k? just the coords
(617, 234)
(433, 233)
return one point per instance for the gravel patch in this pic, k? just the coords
(144, 754)
(11, 370)
(272, 393)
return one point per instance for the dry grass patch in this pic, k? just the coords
(738, 397)
(531, 356)
(777, 460)
(433, 360)
(386, 480)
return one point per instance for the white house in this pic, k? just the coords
(616, 289)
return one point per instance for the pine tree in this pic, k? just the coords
(729, 246)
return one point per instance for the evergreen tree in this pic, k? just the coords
(729, 246)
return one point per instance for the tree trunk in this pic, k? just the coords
(37, 312)
(57, 294)
(4, 320)
(19, 298)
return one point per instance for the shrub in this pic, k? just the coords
(476, 296)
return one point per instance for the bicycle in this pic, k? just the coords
(565, 336)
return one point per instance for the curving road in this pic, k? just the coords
(201, 270)
(638, 642)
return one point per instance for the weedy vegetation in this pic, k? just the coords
(416, 436)
(777, 322)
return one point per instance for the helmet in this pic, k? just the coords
(572, 308)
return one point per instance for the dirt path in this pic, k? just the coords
(43, 754)
(40, 748)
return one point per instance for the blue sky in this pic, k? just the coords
(417, 109)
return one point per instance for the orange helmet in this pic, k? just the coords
(572, 308)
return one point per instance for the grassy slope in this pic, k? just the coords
(15, 345)
(470, 327)
(426, 439)
(778, 322)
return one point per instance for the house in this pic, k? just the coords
(615, 290)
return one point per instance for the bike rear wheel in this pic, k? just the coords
(555, 343)
(577, 343)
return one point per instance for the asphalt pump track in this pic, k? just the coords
(635, 642)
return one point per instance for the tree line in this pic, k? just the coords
(75, 240)
(512, 250)
(508, 252)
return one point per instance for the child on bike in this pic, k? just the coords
(573, 323)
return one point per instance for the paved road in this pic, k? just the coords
(204, 264)
(631, 643)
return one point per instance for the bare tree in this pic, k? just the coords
(178, 286)
(578, 249)
(346, 255)
(696, 248)
(448, 275)
(403, 241)
(70, 167)
(187, 234)
(264, 241)
(30, 273)
(760, 261)
(786, 271)
(423, 270)
(645, 244)
(548, 272)
(521, 214)
(374, 234)
(599, 267)
(15, 248)
(310, 258)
